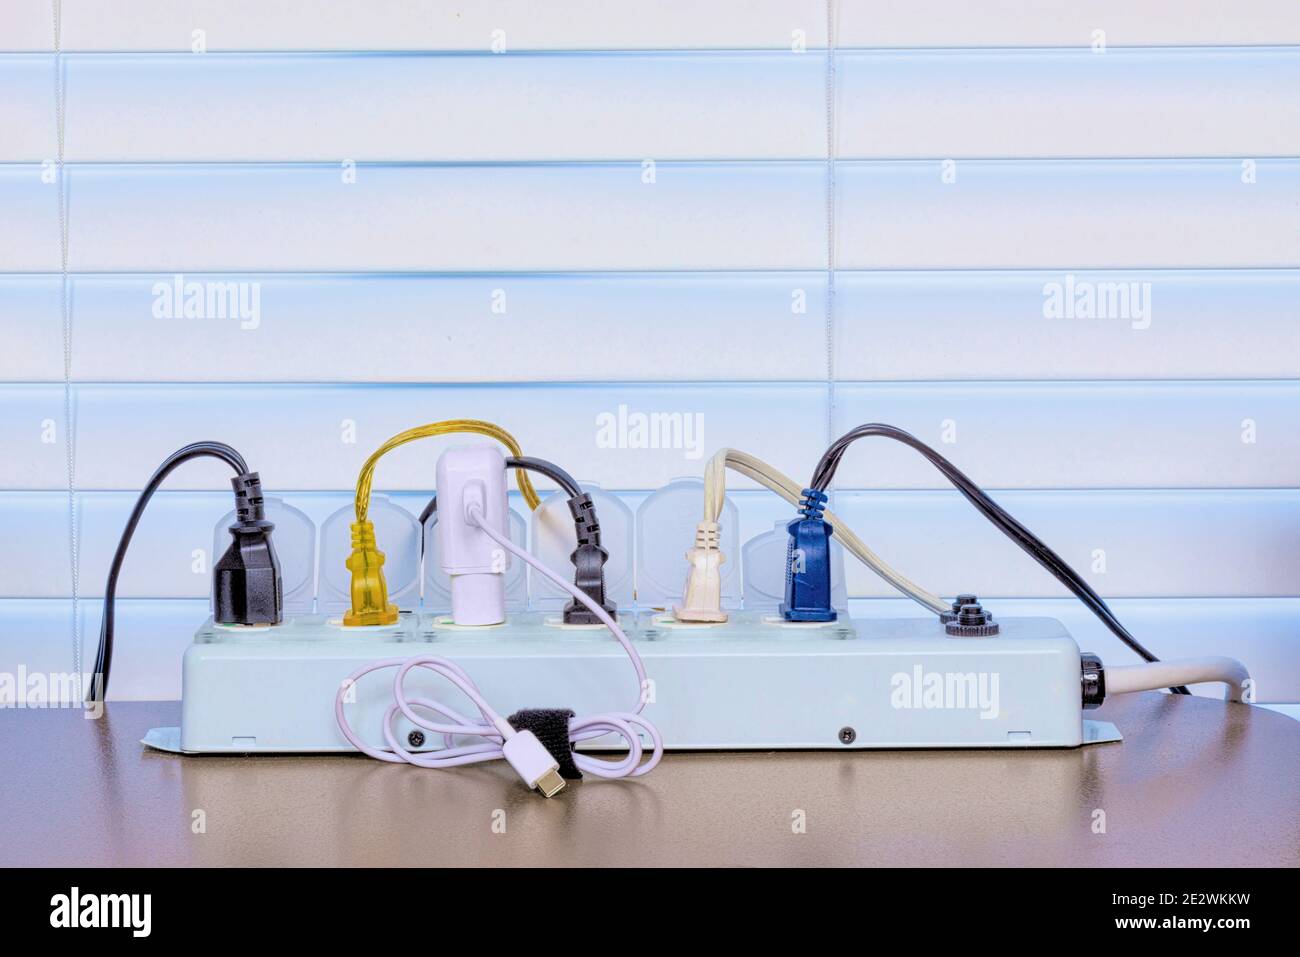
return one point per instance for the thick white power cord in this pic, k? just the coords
(715, 487)
(1152, 676)
(496, 732)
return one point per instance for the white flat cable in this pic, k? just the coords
(1152, 676)
(715, 487)
(500, 739)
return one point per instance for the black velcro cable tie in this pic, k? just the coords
(551, 726)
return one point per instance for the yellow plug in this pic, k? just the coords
(369, 590)
(366, 563)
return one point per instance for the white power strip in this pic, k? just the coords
(751, 683)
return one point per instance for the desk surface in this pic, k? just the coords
(1195, 782)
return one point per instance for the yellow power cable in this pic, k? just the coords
(367, 476)
(369, 589)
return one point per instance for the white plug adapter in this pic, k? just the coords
(473, 475)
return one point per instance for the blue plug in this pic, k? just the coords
(808, 563)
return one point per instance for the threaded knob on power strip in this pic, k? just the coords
(947, 616)
(972, 621)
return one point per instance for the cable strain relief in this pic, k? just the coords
(363, 534)
(1092, 675)
(586, 526)
(813, 503)
(708, 535)
(249, 501)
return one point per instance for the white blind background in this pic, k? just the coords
(645, 187)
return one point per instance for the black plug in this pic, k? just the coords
(246, 585)
(588, 563)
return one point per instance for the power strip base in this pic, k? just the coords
(752, 683)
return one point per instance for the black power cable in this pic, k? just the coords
(259, 600)
(540, 466)
(1008, 525)
(549, 469)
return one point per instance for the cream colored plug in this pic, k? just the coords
(702, 600)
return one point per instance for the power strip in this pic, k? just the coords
(754, 682)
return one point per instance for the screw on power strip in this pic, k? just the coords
(415, 739)
(847, 735)
(972, 621)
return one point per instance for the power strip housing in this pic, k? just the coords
(754, 682)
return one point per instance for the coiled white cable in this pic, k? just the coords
(715, 488)
(494, 729)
